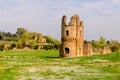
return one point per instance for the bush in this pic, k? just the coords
(12, 46)
(49, 47)
(32, 44)
(1, 37)
(114, 48)
(1, 47)
(19, 46)
(57, 46)
(36, 47)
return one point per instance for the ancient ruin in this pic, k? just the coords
(72, 37)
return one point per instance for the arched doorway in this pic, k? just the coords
(67, 51)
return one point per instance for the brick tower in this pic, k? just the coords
(72, 37)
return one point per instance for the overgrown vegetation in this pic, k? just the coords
(33, 40)
(46, 65)
(23, 38)
(114, 45)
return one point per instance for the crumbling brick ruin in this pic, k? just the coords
(87, 48)
(72, 37)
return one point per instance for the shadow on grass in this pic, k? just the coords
(54, 57)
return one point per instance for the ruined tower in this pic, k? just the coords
(72, 37)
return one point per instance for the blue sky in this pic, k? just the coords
(101, 17)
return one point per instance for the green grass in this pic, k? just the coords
(41, 53)
(46, 65)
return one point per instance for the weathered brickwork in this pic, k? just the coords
(72, 37)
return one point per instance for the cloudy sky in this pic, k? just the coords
(101, 17)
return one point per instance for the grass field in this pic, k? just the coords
(46, 65)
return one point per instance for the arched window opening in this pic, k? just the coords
(80, 33)
(67, 51)
(80, 50)
(67, 33)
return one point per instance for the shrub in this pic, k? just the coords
(49, 47)
(114, 48)
(32, 44)
(36, 47)
(12, 46)
(1, 47)
(1, 37)
(57, 46)
(19, 46)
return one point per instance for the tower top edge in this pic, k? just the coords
(74, 20)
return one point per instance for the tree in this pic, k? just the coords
(20, 31)
(54, 41)
(115, 45)
(1, 47)
(28, 38)
(96, 44)
(100, 43)
(8, 34)
(1, 37)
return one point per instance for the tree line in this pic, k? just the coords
(23, 38)
(114, 45)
